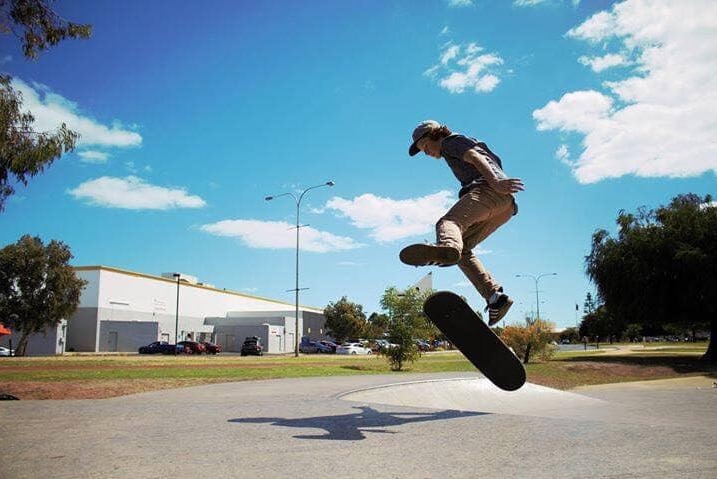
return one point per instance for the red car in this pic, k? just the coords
(212, 348)
(192, 347)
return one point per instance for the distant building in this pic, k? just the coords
(424, 284)
(122, 310)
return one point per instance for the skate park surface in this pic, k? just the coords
(395, 426)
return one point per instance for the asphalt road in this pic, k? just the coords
(437, 425)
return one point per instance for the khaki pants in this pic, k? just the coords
(471, 220)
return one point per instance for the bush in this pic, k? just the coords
(533, 338)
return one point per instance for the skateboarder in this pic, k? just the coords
(485, 203)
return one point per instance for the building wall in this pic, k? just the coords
(271, 328)
(127, 335)
(49, 342)
(314, 326)
(82, 330)
(120, 290)
(232, 336)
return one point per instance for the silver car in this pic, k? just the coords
(352, 348)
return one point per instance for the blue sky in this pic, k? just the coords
(191, 114)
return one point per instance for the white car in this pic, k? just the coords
(6, 352)
(352, 348)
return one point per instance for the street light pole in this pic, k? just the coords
(296, 289)
(176, 317)
(537, 294)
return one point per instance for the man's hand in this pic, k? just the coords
(508, 185)
(504, 186)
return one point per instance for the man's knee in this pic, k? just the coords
(466, 258)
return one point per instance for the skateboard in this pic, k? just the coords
(467, 331)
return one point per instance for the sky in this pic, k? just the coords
(190, 114)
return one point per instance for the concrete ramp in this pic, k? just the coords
(480, 395)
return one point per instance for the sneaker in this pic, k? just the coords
(429, 255)
(499, 308)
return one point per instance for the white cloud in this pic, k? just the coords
(487, 83)
(581, 111)
(389, 219)
(279, 235)
(92, 156)
(533, 3)
(463, 67)
(563, 154)
(460, 3)
(51, 110)
(599, 64)
(133, 193)
(598, 27)
(659, 120)
(449, 54)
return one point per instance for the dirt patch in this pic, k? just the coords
(95, 389)
(616, 369)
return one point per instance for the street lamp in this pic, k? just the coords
(176, 318)
(536, 279)
(296, 290)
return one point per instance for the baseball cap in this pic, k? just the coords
(419, 132)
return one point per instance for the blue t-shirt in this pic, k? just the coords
(454, 147)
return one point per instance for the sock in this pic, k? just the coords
(494, 297)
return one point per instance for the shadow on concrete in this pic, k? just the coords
(351, 427)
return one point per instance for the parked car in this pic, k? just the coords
(158, 347)
(384, 344)
(311, 347)
(308, 347)
(352, 348)
(423, 345)
(212, 348)
(253, 346)
(6, 352)
(329, 344)
(192, 347)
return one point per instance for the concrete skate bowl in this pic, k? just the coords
(480, 395)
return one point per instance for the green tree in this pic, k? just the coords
(407, 322)
(571, 334)
(633, 332)
(598, 325)
(25, 152)
(37, 25)
(376, 326)
(38, 287)
(589, 305)
(344, 319)
(661, 267)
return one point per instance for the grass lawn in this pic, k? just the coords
(80, 377)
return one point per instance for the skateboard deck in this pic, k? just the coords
(467, 331)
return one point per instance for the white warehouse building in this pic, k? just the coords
(121, 310)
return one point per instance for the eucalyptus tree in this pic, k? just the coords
(662, 266)
(25, 152)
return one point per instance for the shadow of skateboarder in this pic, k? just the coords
(351, 427)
